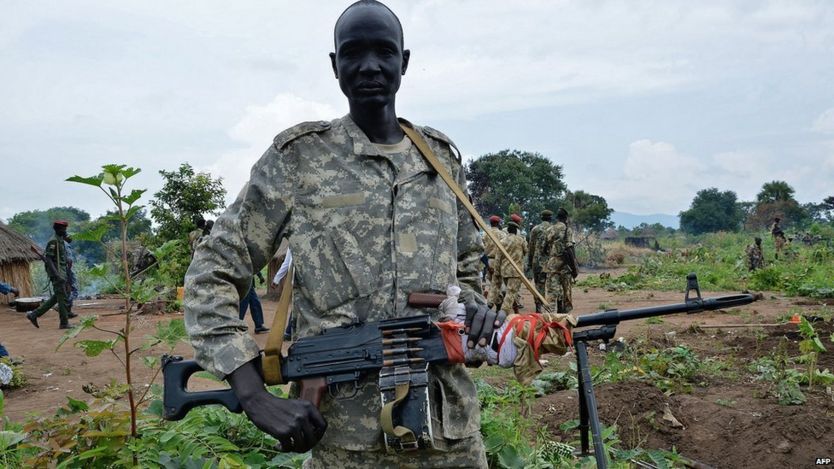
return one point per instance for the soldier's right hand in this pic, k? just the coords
(296, 423)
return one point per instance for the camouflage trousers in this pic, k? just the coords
(540, 279)
(512, 294)
(495, 286)
(558, 292)
(779, 242)
(466, 453)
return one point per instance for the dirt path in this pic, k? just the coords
(53, 375)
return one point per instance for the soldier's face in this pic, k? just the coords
(369, 60)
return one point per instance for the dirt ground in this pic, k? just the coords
(746, 429)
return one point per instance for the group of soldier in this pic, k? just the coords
(549, 255)
(755, 256)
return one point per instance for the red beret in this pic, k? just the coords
(60, 223)
(516, 218)
(494, 218)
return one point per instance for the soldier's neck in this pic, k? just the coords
(379, 123)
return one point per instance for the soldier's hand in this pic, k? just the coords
(480, 323)
(296, 423)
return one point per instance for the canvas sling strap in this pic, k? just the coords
(271, 358)
(429, 155)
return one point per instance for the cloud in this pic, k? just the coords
(255, 131)
(825, 122)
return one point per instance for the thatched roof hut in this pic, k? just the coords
(15, 256)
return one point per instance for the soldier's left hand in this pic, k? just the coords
(481, 322)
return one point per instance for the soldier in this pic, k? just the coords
(536, 255)
(755, 258)
(778, 236)
(561, 264)
(195, 234)
(496, 283)
(352, 197)
(516, 247)
(55, 260)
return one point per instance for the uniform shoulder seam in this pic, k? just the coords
(438, 135)
(282, 139)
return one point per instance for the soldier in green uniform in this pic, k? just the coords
(536, 255)
(496, 283)
(559, 240)
(352, 197)
(55, 259)
(516, 247)
(755, 257)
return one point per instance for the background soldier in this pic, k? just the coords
(195, 234)
(55, 260)
(496, 284)
(755, 258)
(560, 264)
(326, 187)
(778, 236)
(516, 247)
(536, 257)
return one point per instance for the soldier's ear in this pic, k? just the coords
(333, 64)
(406, 57)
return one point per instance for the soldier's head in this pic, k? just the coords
(60, 227)
(369, 58)
(561, 214)
(758, 241)
(512, 227)
(516, 218)
(208, 226)
(777, 220)
(200, 222)
(547, 215)
(494, 220)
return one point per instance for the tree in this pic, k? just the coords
(37, 224)
(589, 211)
(776, 200)
(185, 195)
(712, 210)
(511, 176)
(775, 191)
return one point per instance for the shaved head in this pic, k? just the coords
(365, 4)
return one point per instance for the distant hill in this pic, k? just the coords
(630, 220)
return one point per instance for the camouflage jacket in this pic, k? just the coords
(557, 238)
(56, 250)
(489, 247)
(516, 247)
(536, 254)
(755, 258)
(365, 228)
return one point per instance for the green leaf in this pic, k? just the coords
(818, 344)
(2, 404)
(9, 439)
(99, 271)
(95, 233)
(150, 362)
(508, 457)
(92, 180)
(132, 211)
(86, 323)
(805, 328)
(77, 406)
(130, 172)
(93, 348)
(171, 332)
(133, 196)
(113, 168)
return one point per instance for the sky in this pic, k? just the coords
(642, 102)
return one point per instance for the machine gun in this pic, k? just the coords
(401, 350)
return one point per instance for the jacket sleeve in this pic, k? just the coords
(470, 249)
(242, 241)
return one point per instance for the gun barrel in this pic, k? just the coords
(694, 306)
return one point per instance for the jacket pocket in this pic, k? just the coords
(335, 271)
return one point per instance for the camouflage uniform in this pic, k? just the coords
(56, 250)
(537, 257)
(496, 283)
(366, 227)
(516, 247)
(778, 237)
(558, 237)
(755, 258)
